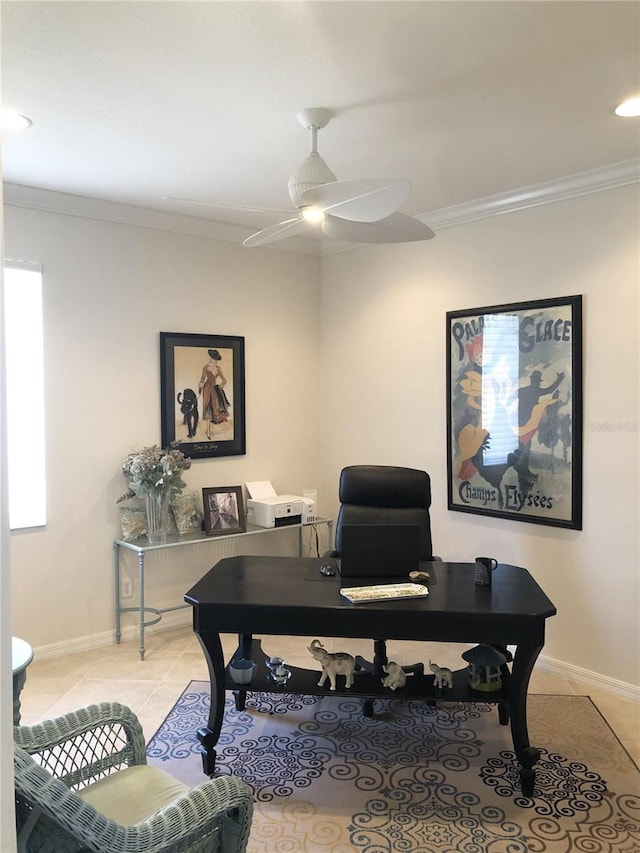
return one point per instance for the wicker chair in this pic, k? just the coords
(83, 783)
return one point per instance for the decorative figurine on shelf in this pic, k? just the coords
(396, 676)
(484, 668)
(281, 674)
(443, 677)
(333, 663)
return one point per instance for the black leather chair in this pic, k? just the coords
(384, 494)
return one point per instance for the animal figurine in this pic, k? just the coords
(443, 677)
(335, 663)
(396, 676)
(189, 409)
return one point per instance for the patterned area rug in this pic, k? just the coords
(415, 778)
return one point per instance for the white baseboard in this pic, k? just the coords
(169, 622)
(591, 679)
(182, 619)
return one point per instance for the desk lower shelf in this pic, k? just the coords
(365, 686)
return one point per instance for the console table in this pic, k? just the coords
(289, 596)
(142, 547)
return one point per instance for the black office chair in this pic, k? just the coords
(384, 494)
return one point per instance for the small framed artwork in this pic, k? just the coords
(223, 510)
(202, 394)
(514, 411)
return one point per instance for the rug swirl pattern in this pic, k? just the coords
(416, 778)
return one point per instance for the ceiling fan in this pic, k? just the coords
(349, 211)
(363, 211)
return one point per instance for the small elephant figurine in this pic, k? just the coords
(333, 663)
(443, 677)
(396, 676)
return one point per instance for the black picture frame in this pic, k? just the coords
(514, 411)
(223, 510)
(202, 394)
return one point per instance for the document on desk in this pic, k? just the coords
(383, 592)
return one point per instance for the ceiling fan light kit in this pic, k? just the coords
(363, 211)
(309, 174)
(313, 214)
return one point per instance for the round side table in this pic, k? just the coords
(21, 657)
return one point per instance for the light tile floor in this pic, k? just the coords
(173, 658)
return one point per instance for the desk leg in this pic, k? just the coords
(527, 755)
(209, 734)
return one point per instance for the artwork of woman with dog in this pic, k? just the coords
(202, 397)
(204, 408)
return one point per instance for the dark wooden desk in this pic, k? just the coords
(288, 596)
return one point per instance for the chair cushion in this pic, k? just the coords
(134, 794)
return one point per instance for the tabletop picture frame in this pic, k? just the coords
(223, 510)
(202, 394)
(514, 411)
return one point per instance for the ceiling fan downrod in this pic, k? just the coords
(313, 171)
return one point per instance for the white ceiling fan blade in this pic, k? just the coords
(360, 201)
(288, 228)
(396, 228)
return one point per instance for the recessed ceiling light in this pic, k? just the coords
(13, 120)
(629, 108)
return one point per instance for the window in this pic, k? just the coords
(500, 366)
(24, 359)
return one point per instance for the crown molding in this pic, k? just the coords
(85, 207)
(571, 186)
(583, 183)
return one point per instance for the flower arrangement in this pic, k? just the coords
(152, 470)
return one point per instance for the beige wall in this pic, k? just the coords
(383, 396)
(109, 289)
(352, 372)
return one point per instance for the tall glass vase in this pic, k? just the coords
(157, 513)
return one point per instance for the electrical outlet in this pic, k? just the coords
(126, 588)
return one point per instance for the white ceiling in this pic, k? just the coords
(133, 101)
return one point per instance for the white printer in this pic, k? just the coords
(267, 509)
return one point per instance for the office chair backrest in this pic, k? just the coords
(385, 494)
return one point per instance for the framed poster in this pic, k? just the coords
(202, 394)
(223, 510)
(514, 411)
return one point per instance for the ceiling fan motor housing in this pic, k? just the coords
(312, 171)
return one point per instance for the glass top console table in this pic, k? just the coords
(142, 547)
